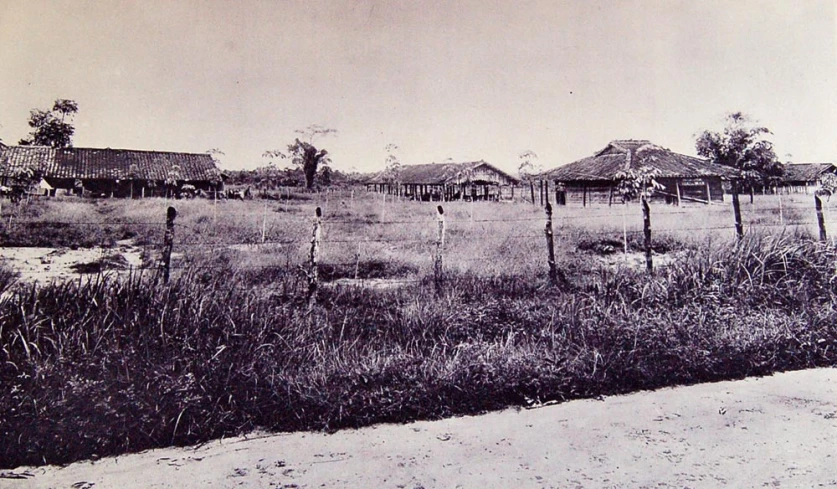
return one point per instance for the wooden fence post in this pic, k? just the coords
(550, 246)
(471, 211)
(646, 227)
(438, 274)
(781, 214)
(736, 209)
(168, 242)
(532, 190)
(264, 222)
(625, 229)
(820, 217)
(314, 259)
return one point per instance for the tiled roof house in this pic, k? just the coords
(116, 171)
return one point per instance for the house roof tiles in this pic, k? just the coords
(806, 172)
(108, 164)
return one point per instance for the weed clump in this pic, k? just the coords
(109, 365)
(608, 245)
(106, 365)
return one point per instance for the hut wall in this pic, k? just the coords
(695, 189)
(604, 192)
(800, 187)
(588, 193)
(691, 190)
(716, 190)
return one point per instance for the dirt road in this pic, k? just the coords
(778, 431)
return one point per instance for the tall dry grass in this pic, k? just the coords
(116, 364)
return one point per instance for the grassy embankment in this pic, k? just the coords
(113, 365)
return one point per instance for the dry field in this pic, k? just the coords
(370, 236)
(115, 360)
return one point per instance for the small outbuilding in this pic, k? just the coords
(475, 180)
(805, 177)
(594, 180)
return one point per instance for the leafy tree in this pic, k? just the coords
(132, 176)
(52, 128)
(216, 179)
(742, 145)
(637, 183)
(304, 153)
(392, 170)
(172, 178)
(529, 166)
(828, 185)
(325, 175)
(26, 178)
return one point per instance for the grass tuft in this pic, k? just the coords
(111, 364)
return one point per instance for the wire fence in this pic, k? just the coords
(385, 244)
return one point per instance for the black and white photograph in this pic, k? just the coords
(418, 244)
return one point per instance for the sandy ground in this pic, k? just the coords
(778, 431)
(44, 265)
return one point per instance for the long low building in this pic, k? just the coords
(594, 180)
(476, 180)
(114, 172)
(805, 177)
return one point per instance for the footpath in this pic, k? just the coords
(778, 431)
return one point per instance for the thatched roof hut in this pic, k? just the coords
(684, 178)
(804, 177)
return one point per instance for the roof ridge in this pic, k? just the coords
(617, 141)
(73, 148)
(606, 163)
(138, 151)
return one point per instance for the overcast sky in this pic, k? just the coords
(466, 80)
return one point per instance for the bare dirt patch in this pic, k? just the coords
(776, 431)
(45, 265)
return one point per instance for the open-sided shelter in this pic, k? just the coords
(476, 180)
(594, 180)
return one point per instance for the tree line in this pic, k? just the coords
(742, 145)
(54, 128)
